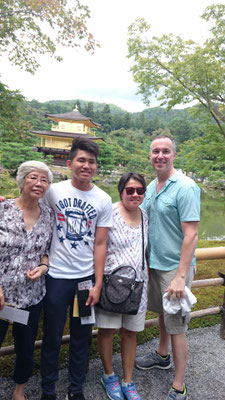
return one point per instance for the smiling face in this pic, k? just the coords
(132, 201)
(36, 184)
(162, 155)
(83, 167)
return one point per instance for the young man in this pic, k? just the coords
(172, 202)
(83, 215)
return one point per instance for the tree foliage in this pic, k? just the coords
(180, 71)
(106, 158)
(16, 141)
(30, 27)
(205, 155)
(12, 124)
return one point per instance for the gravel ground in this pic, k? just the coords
(205, 376)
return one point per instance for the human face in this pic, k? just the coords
(162, 155)
(83, 167)
(36, 184)
(132, 202)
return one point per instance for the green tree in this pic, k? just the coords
(183, 129)
(89, 110)
(106, 158)
(13, 154)
(205, 155)
(16, 141)
(182, 71)
(23, 30)
(13, 127)
(117, 121)
(106, 119)
(126, 121)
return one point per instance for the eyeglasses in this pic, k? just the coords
(35, 179)
(132, 190)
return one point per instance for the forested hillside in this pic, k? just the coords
(127, 136)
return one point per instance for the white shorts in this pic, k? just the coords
(109, 320)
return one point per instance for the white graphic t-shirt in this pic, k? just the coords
(78, 213)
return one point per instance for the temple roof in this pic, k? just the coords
(65, 134)
(74, 115)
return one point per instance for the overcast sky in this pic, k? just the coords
(105, 76)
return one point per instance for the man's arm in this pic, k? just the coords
(177, 285)
(99, 262)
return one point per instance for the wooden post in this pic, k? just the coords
(210, 253)
(222, 325)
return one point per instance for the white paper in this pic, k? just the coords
(14, 314)
(91, 319)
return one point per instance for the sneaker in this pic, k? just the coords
(130, 392)
(75, 396)
(153, 360)
(173, 394)
(48, 396)
(112, 387)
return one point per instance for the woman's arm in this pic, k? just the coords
(2, 299)
(40, 270)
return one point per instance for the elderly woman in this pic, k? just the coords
(124, 247)
(25, 236)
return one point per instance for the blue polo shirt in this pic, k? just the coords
(178, 201)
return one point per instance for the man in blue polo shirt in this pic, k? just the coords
(172, 202)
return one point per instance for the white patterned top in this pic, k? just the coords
(124, 247)
(21, 250)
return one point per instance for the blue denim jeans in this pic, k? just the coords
(59, 296)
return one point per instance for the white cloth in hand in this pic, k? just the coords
(184, 304)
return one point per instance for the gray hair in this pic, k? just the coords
(28, 166)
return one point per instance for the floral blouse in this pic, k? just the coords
(21, 250)
(124, 247)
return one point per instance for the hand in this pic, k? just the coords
(2, 299)
(36, 273)
(2, 198)
(94, 295)
(176, 288)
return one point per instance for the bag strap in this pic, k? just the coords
(143, 252)
(124, 266)
(143, 245)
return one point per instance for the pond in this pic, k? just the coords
(212, 223)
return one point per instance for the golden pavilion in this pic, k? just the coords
(65, 128)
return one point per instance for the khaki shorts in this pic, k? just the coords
(159, 282)
(109, 320)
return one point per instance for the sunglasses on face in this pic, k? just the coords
(132, 190)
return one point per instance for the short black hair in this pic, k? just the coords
(126, 177)
(84, 144)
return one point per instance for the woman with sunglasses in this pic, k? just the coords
(124, 247)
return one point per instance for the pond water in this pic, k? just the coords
(212, 223)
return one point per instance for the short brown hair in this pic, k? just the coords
(163, 136)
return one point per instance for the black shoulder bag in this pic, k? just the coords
(120, 294)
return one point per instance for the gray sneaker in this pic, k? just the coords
(153, 360)
(174, 395)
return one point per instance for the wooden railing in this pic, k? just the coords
(211, 253)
